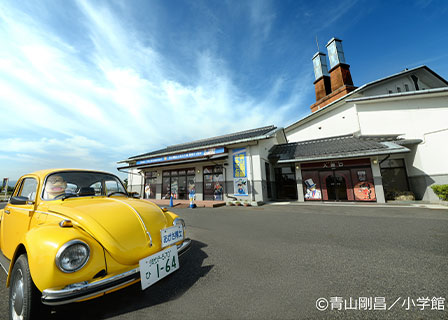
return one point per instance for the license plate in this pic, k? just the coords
(172, 235)
(158, 266)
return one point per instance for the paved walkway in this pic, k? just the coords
(186, 203)
(398, 204)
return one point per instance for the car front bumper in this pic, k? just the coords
(83, 291)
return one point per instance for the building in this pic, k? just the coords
(369, 143)
(216, 169)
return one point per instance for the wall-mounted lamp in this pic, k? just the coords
(375, 161)
(158, 174)
(199, 171)
(297, 167)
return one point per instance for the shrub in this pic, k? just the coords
(441, 190)
(400, 195)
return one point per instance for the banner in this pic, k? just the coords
(183, 156)
(240, 172)
(5, 184)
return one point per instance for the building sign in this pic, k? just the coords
(240, 172)
(337, 164)
(183, 156)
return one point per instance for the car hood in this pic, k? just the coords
(118, 224)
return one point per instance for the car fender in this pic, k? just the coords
(42, 244)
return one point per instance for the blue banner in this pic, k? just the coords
(182, 156)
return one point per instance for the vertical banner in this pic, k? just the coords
(240, 172)
(5, 186)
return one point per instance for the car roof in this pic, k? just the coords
(45, 172)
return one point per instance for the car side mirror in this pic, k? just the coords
(19, 200)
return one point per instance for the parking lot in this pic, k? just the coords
(275, 262)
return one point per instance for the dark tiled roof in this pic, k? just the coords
(220, 140)
(334, 146)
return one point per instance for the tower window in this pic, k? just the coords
(406, 87)
(398, 89)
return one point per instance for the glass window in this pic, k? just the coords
(151, 174)
(191, 184)
(112, 186)
(97, 186)
(166, 191)
(150, 188)
(80, 183)
(208, 170)
(213, 183)
(29, 187)
(175, 187)
(392, 163)
(166, 173)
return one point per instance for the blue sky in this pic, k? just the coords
(85, 84)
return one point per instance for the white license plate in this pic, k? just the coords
(172, 235)
(158, 266)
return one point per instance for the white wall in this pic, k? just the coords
(339, 121)
(415, 118)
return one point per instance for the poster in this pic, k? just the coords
(312, 193)
(365, 191)
(240, 186)
(240, 172)
(5, 184)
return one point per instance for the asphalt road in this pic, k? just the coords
(274, 262)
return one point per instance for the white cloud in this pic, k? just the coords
(65, 106)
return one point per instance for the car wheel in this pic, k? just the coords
(23, 295)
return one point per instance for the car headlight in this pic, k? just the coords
(179, 221)
(72, 256)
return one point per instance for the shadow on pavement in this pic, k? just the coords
(133, 298)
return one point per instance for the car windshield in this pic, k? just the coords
(67, 184)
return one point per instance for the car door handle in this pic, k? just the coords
(6, 211)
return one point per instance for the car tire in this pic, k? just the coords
(23, 294)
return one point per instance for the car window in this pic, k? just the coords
(97, 187)
(113, 186)
(29, 188)
(63, 184)
(71, 188)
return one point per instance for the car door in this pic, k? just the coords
(16, 219)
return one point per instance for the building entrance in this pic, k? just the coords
(336, 187)
(285, 182)
(342, 180)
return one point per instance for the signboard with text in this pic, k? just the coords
(183, 156)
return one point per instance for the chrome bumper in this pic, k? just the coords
(83, 291)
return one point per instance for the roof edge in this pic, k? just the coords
(359, 89)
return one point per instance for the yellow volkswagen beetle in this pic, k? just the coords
(70, 235)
